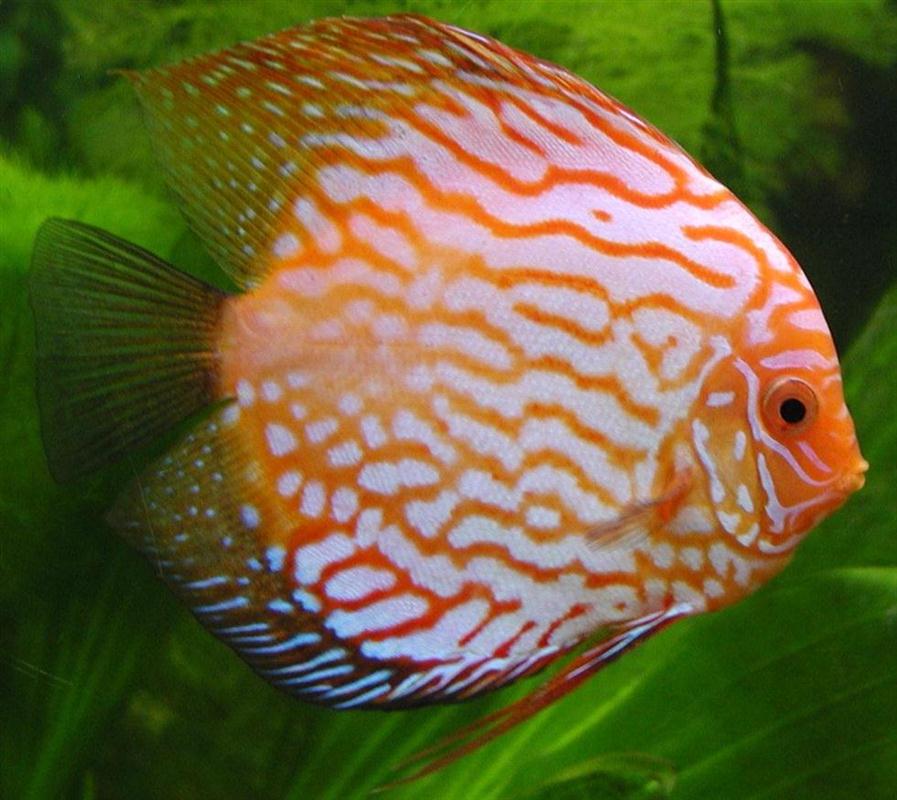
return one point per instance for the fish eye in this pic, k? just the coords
(790, 405)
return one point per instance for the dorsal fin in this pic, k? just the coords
(242, 132)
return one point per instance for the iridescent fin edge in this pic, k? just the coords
(472, 737)
(204, 520)
(242, 133)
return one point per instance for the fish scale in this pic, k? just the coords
(507, 374)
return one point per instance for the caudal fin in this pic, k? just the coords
(124, 345)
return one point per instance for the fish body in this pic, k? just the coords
(508, 371)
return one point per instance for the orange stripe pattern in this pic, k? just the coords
(488, 311)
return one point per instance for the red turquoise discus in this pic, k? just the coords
(508, 372)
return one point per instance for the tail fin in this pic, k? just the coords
(124, 346)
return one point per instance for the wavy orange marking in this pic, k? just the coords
(552, 128)
(587, 336)
(475, 211)
(575, 611)
(622, 455)
(496, 609)
(504, 649)
(469, 408)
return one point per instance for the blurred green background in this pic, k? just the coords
(109, 689)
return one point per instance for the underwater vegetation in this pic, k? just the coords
(109, 689)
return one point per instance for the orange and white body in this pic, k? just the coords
(509, 370)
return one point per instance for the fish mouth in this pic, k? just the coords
(854, 480)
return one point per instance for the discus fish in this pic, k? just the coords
(508, 371)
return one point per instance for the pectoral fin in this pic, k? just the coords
(637, 520)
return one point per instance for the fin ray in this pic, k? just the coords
(638, 520)
(187, 513)
(472, 737)
(242, 133)
(124, 345)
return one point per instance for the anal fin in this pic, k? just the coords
(203, 518)
(473, 737)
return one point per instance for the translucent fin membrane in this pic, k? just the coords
(471, 738)
(242, 133)
(124, 345)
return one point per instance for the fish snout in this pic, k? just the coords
(854, 480)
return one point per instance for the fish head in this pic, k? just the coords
(773, 431)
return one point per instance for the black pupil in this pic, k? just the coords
(792, 410)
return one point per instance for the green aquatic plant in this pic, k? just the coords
(109, 689)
